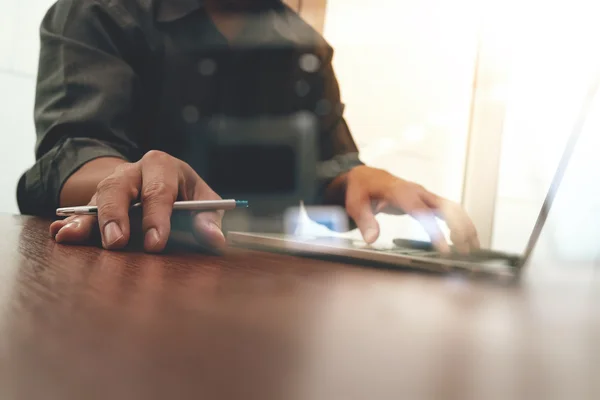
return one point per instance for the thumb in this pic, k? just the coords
(358, 205)
(76, 228)
(207, 229)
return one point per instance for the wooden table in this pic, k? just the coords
(82, 323)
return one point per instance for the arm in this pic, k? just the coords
(83, 109)
(338, 151)
(88, 149)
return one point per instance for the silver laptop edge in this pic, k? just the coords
(561, 169)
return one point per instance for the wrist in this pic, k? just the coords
(334, 173)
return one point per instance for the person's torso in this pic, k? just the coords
(193, 77)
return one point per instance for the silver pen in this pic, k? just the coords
(194, 205)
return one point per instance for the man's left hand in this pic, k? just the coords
(369, 191)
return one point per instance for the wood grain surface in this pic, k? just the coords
(83, 323)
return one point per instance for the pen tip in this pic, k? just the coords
(241, 203)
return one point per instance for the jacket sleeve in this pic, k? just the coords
(84, 97)
(338, 151)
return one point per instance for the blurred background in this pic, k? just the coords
(474, 99)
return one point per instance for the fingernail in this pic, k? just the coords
(112, 234)
(73, 224)
(371, 235)
(152, 238)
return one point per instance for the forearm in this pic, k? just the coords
(81, 186)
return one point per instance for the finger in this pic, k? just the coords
(75, 229)
(426, 217)
(207, 226)
(472, 238)
(114, 197)
(474, 242)
(457, 231)
(462, 231)
(432, 201)
(56, 226)
(465, 239)
(159, 191)
(380, 206)
(460, 243)
(458, 234)
(359, 208)
(208, 231)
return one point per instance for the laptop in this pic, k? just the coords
(421, 255)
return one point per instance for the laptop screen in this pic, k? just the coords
(566, 177)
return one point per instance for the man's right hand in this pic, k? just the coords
(157, 180)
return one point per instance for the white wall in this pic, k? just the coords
(19, 46)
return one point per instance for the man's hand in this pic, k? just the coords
(369, 191)
(157, 180)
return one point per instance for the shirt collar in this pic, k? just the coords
(171, 10)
